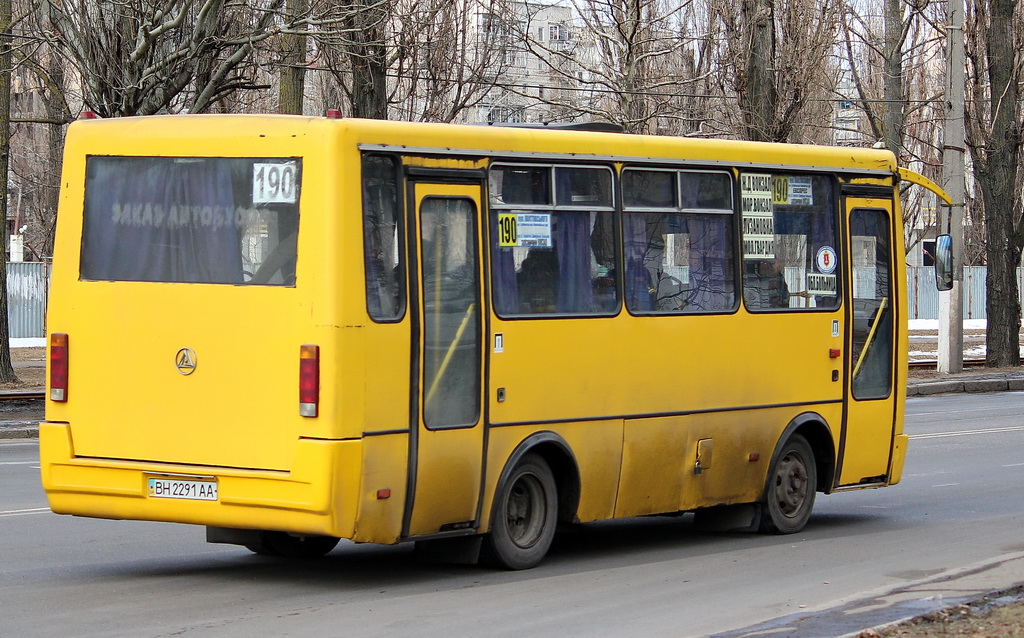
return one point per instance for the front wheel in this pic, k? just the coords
(525, 516)
(789, 494)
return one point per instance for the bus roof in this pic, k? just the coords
(190, 135)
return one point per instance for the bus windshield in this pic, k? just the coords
(191, 220)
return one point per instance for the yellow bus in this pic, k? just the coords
(294, 330)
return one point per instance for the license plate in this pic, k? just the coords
(192, 490)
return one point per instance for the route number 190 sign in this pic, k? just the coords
(274, 183)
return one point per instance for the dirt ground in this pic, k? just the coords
(31, 376)
(998, 615)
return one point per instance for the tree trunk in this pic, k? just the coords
(293, 62)
(367, 54)
(6, 369)
(892, 90)
(760, 99)
(1002, 199)
(56, 110)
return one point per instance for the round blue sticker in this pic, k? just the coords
(826, 260)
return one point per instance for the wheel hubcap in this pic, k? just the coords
(791, 484)
(524, 514)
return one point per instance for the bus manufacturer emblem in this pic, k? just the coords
(185, 361)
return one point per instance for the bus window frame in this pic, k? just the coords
(614, 208)
(736, 258)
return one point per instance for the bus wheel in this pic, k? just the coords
(789, 495)
(525, 516)
(290, 546)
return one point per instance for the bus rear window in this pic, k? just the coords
(191, 220)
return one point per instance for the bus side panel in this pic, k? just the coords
(652, 477)
(632, 366)
(735, 449)
(596, 446)
(382, 494)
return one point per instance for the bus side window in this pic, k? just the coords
(678, 237)
(382, 240)
(552, 257)
(790, 242)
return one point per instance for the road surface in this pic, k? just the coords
(952, 529)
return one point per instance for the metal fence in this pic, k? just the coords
(28, 286)
(923, 298)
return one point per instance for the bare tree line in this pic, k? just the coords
(774, 70)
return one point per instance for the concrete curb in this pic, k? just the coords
(969, 384)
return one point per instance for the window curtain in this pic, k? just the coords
(637, 280)
(503, 274)
(575, 292)
(156, 219)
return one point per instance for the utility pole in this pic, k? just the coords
(951, 313)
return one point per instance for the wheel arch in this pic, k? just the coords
(814, 429)
(559, 456)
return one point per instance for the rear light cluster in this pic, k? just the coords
(58, 367)
(309, 380)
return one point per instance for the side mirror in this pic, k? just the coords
(944, 262)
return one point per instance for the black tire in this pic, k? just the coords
(791, 486)
(525, 516)
(289, 546)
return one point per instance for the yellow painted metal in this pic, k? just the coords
(305, 500)
(872, 425)
(449, 462)
(379, 516)
(589, 381)
(908, 175)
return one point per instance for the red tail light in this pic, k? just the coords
(58, 367)
(309, 380)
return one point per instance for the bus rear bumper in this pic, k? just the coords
(302, 501)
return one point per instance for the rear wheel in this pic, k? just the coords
(291, 546)
(525, 516)
(789, 495)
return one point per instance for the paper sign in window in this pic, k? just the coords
(532, 230)
(758, 216)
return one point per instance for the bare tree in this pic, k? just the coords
(779, 52)
(291, 86)
(896, 83)
(140, 58)
(6, 59)
(632, 58)
(409, 59)
(994, 31)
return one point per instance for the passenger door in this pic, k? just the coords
(446, 450)
(871, 342)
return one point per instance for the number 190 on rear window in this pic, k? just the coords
(183, 489)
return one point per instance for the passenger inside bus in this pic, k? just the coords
(537, 282)
(764, 285)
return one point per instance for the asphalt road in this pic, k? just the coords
(952, 529)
